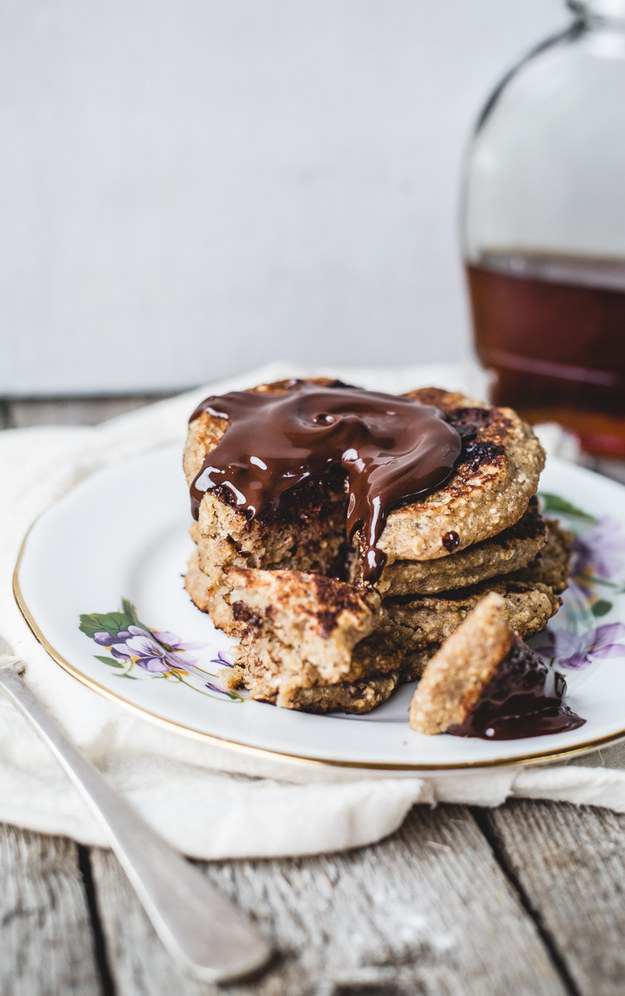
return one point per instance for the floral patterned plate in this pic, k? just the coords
(100, 582)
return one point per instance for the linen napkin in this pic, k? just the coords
(208, 801)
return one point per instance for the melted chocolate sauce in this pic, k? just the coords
(392, 450)
(524, 699)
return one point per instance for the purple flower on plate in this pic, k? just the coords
(601, 550)
(152, 656)
(574, 651)
(173, 642)
(153, 651)
(222, 660)
(130, 644)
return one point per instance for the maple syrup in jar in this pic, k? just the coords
(544, 231)
(552, 331)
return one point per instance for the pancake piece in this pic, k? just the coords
(356, 698)
(486, 682)
(297, 631)
(456, 675)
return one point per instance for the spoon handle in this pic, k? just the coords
(208, 935)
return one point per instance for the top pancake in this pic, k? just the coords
(489, 489)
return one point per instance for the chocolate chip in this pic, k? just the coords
(451, 540)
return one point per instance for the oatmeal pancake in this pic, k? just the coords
(511, 550)
(421, 625)
(552, 564)
(356, 697)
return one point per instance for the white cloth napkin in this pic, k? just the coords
(208, 801)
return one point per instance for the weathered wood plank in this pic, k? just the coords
(46, 945)
(569, 863)
(611, 468)
(72, 411)
(427, 911)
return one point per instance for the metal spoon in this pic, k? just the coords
(208, 935)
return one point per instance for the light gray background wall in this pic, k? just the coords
(189, 187)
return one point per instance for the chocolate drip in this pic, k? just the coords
(391, 449)
(523, 699)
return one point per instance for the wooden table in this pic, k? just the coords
(525, 899)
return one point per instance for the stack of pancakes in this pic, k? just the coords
(312, 634)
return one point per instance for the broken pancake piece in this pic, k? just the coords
(486, 682)
(302, 638)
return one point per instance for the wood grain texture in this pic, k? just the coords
(71, 411)
(427, 911)
(569, 863)
(46, 941)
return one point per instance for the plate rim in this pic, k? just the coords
(284, 757)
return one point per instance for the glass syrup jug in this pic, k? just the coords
(544, 230)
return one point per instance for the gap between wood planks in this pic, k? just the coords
(99, 941)
(484, 821)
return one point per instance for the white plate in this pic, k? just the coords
(120, 538)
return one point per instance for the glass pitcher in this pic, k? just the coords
(544, 230)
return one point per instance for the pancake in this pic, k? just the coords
(419, 626)
(510, 551)
(304, 625)
(488, 491)
(552, 565)
(452, 681)
(356, 697)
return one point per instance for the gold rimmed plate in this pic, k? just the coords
(99, 581)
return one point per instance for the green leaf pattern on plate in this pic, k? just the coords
(136, 649)
(597, 574)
